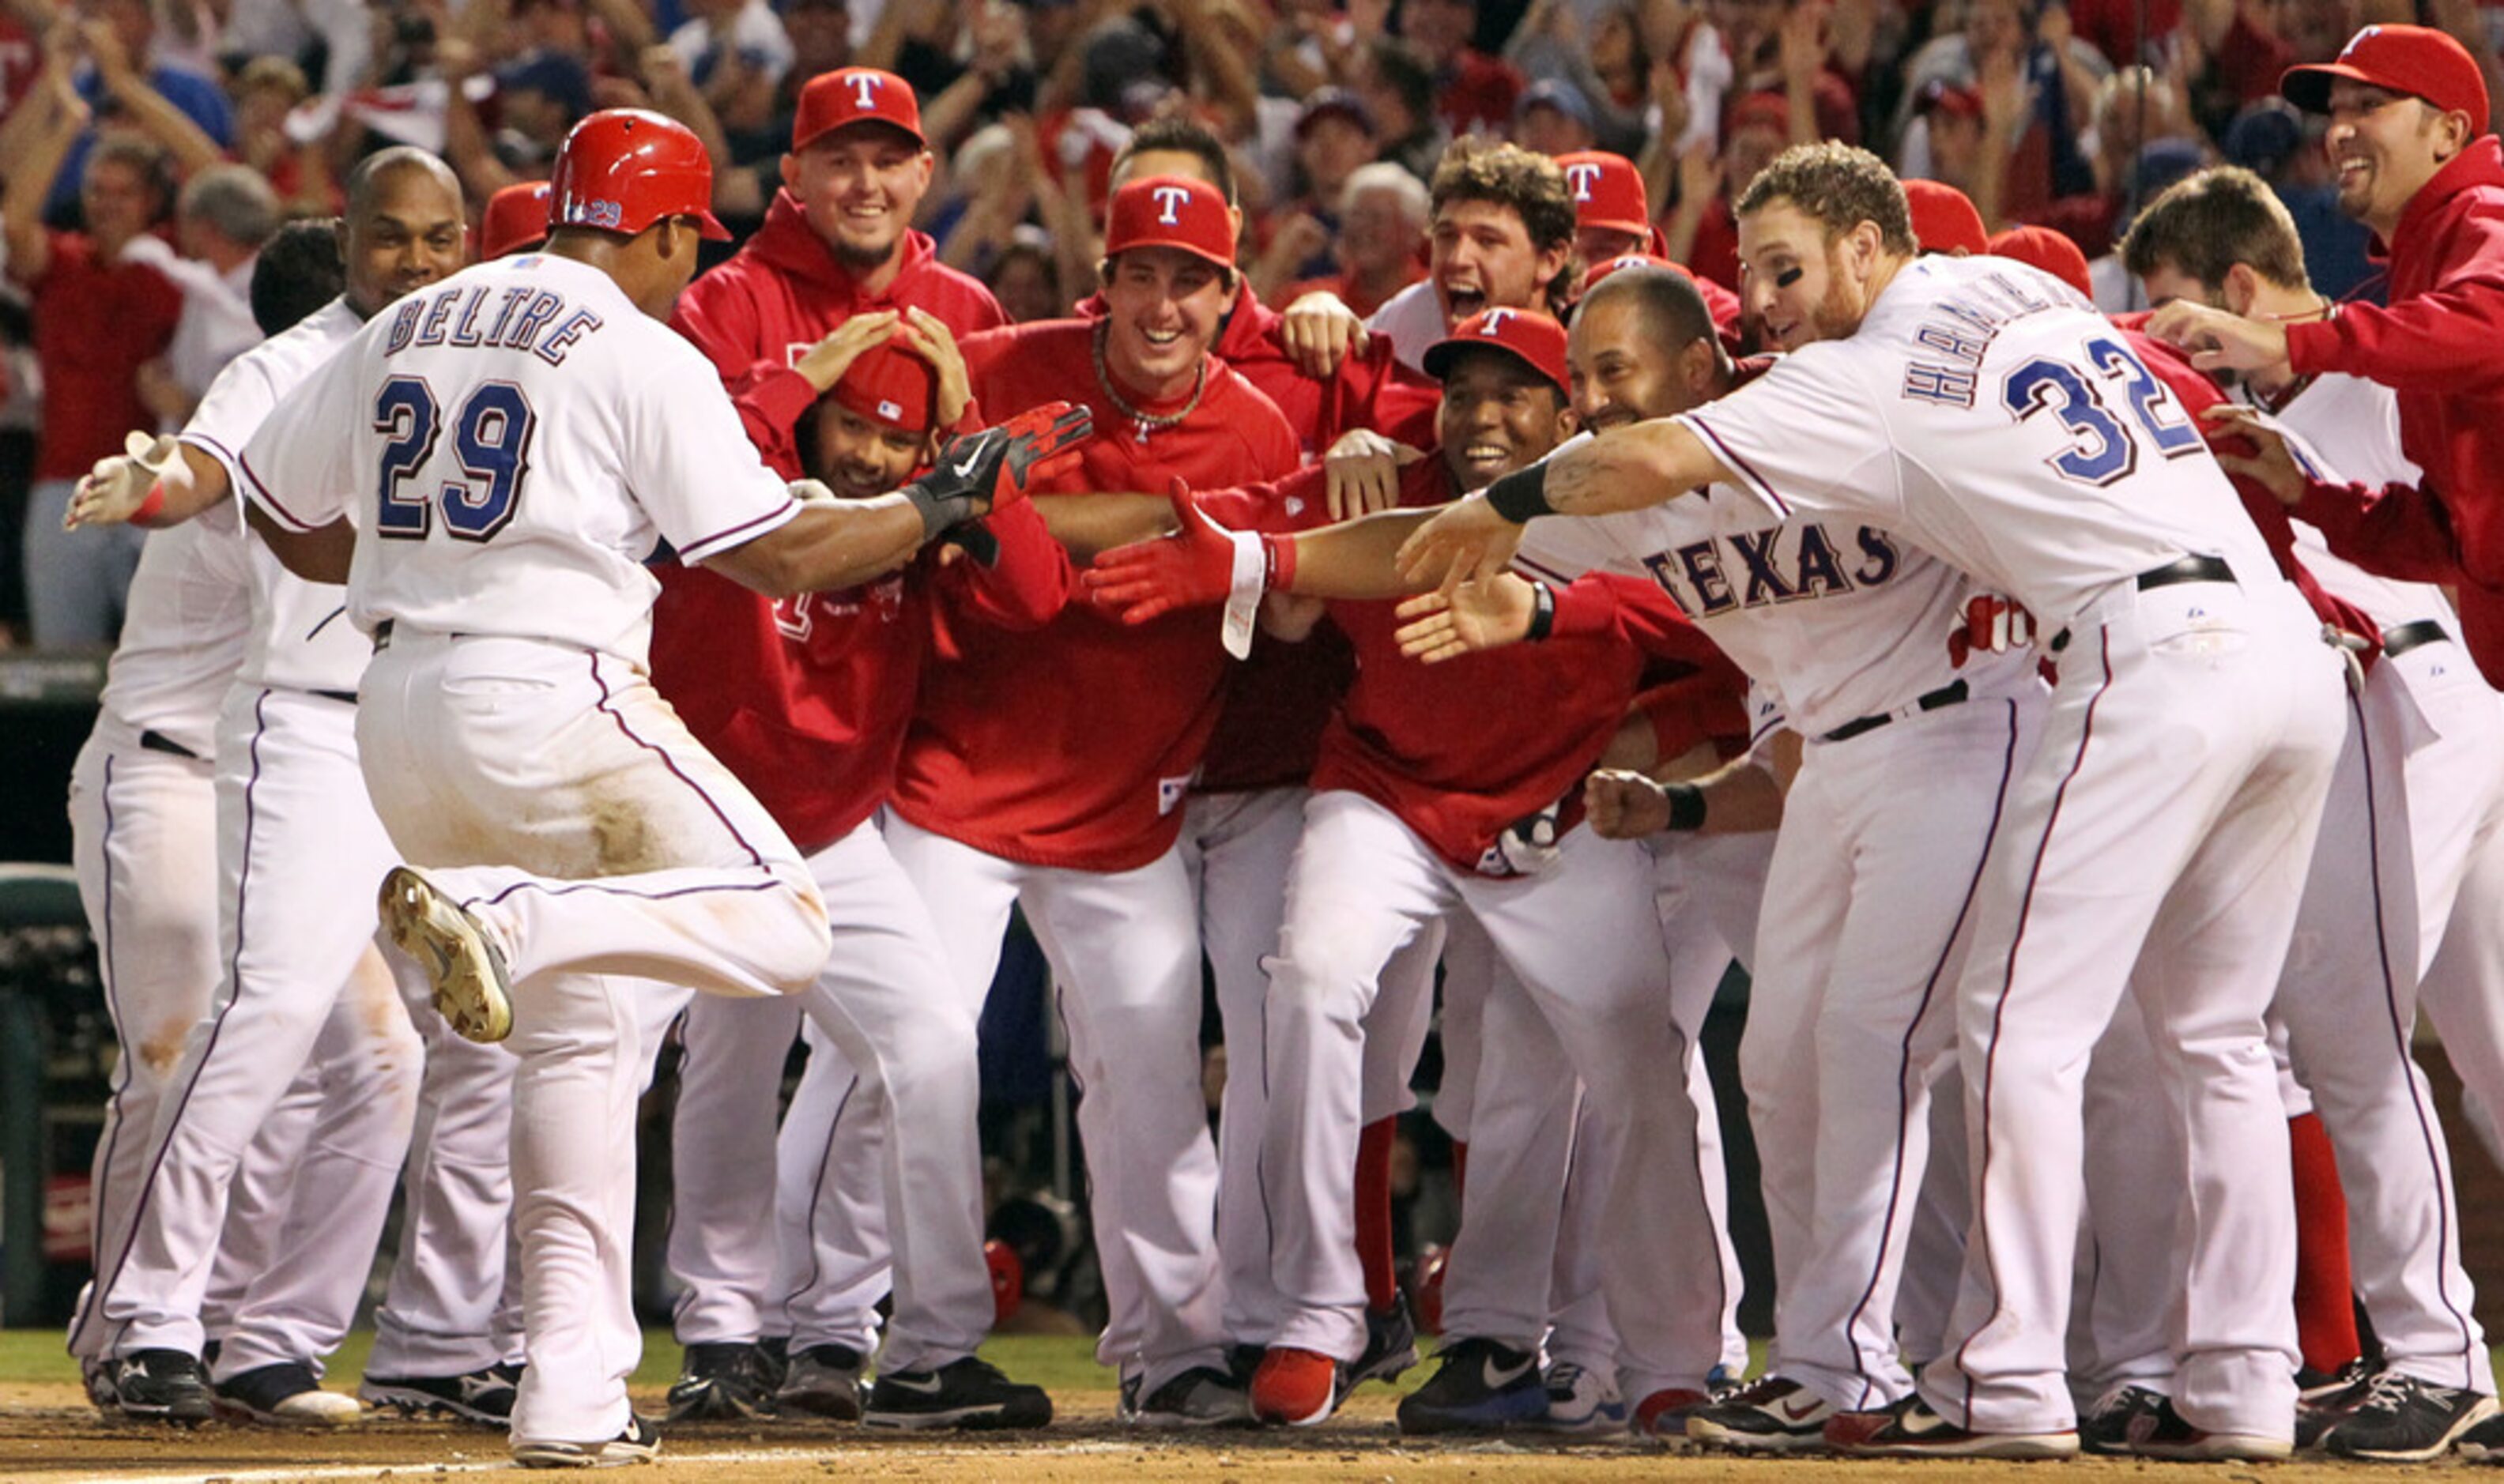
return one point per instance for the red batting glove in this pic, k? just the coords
(1194, 568)
(1993, 625)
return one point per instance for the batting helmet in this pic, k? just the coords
(623, 169)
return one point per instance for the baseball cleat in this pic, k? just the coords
(1390, 1344)
(2106, 1427)
(823, 1381)
(1582, 1402)
(1203, 1397)
(1911, 1429)
(721, 1381)
(2161, 1433)
(1478, 1386)
(163, 1386)
(1297, 1388)
(286, 1395)
(1773, 1414)
(640, 1443)
(2484, 1442)
(969, 1394)
(485, 1397)
(2406, 1420)
(97, 1377)
(1665, 1412)
(467, 972)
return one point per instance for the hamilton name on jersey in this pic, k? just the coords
(491, 315)
(1791, 562)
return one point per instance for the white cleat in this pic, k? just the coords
(640, 1443)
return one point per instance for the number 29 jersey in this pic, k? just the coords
(1985, 413)
(512, 444)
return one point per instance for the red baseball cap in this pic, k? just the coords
(1944, 219)
(889, 386)
(2043, 248)
(516, 216)
(850, 95)
(1172, 211)
(1608, 192)
(2416, 60)
(1531, 337)
(1592, 275)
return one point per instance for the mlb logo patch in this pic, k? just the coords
(893, 412)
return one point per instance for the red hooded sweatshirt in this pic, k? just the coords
(2440, 346)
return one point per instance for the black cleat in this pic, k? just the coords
(969, 1394)
(485, 1397)
(720, 1382)
(163, 1386)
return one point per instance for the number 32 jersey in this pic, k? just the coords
(1986, 414)
(512, 444)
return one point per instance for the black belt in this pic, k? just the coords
(1954, 693)
(2188, 570)
(158, 741)
(2407, 636)
(347, 696)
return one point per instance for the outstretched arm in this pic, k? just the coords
(1632, 469)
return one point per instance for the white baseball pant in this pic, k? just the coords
(449, 1309)
(298, 850)
(560, 799)
(721, 1247)
(2156, 847)
(830, 1208)
(1125, 950)
(1852, 1011)
(1364, 885)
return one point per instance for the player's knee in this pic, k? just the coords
(790, 940)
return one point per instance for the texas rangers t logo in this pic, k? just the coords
(1580, 178)
(1493, 329)
(1169, 201)
(865, 86)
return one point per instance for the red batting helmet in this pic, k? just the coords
(623, 169)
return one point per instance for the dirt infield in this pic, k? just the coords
(48, 1435)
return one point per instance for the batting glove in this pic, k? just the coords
(983, 471)
(122, 489)
(1527, 846)
(1200, 565)
(1993, 625)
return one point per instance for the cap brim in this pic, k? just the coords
(1641, 229)
(1227, 262)
(1440, 356)
(2308, 87)
(709, 228)
(919, 142)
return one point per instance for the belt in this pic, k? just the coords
(2171, 574)
(2407, 636)
(1954, 693)
(2188, 570)
(158, 741)
(348, 696)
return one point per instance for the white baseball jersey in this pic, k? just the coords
(300, 640)
(1843, 619)
(491, 420)
(1966, 368)
(189, 619)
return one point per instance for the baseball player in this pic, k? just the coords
(837, 245)
(2391, 860)
(1978, 409)
(808, 700)
(1079, 821)
(1247, 809)
(573, 832)
(1904, 773)
(1406, 826)
(2409, 112)
(1612, 210)
(292, 828)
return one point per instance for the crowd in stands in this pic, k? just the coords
(150, 146)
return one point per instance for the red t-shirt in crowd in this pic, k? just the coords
(1074, 745)
(96, 324)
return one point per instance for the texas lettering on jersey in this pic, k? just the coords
(1785, 563)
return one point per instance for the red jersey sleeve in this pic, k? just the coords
(1603, 605)
(2399, 531)
(1030, 581)
(2447, 339)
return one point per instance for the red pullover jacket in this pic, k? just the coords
(2440, 346)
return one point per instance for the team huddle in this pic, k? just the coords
(2061, 718)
